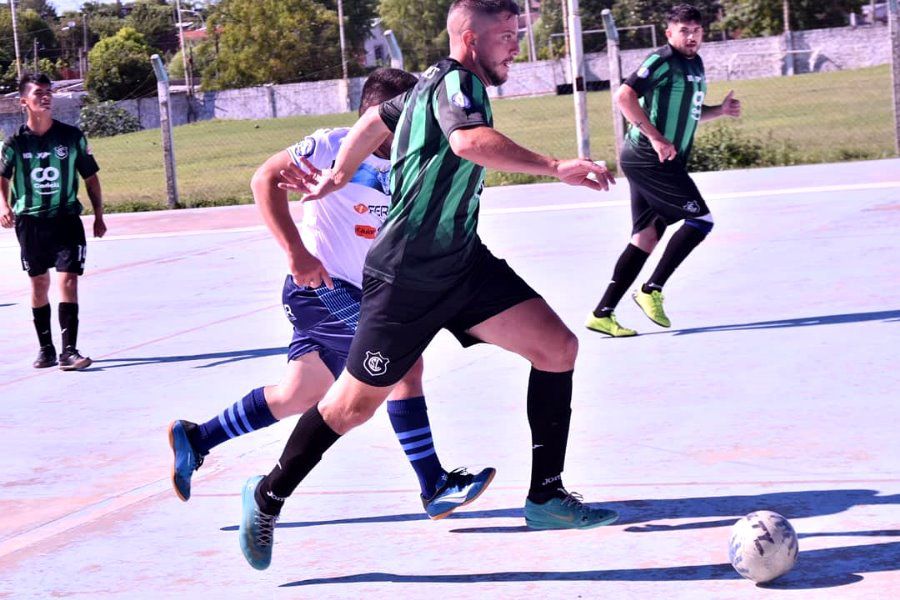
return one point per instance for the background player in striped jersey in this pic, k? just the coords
(663, 101)
(321, 300)
(428, 270)
(43, 160)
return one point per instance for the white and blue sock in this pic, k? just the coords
(409, 419)
(249, 414)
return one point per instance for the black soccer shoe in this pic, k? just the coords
(72, 360)
(46, 357)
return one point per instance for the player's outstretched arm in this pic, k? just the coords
(730, 107)
(363, 139)
(272, 202)
(491, 149)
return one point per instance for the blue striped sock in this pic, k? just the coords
(250, 414)
(410, 421)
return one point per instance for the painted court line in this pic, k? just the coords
(849, 187)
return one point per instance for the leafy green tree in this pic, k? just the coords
(358, 16)
(31, 26)
(272, 41)
(155, 20)
(120, 67)
(653, 12)
(751, 18)
(421, 29)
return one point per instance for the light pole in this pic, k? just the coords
(15, 28)
(188, 76)
(345, 81)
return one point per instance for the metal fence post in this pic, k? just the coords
(165, 125)
(894, 23)
(579, 91)
(615, 80)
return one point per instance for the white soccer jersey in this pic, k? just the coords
(339, 229)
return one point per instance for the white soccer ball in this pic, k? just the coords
(763, 546)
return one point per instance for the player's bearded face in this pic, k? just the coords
(497, 47)
(685, 37)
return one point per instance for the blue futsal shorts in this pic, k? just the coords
(324, 320)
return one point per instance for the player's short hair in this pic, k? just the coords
(486, 7)
(684, 13)
(36, 78)
(384, 84)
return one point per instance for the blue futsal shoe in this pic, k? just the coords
(457, 488)
(187, 460)
(569, 512)
(257, 529)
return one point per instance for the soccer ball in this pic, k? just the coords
(763, 546)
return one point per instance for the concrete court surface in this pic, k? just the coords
(776, 388)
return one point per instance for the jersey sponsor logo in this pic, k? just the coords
(695, 78)
(289, 313)
(375, 364)
(461, 100)
(365, 231)
(44, 180)
(62, 152)
(40, 155)
(431, 72)
(375, 209)
(643, 72)
(692, 207)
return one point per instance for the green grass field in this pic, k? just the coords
(821, 118)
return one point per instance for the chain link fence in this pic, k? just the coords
(836, 107)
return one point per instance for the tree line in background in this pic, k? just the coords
(253, 42)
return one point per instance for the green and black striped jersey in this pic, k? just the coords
(44, 168)
(671, 89)
(429, 238)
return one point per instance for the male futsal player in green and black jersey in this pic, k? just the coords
(663, 101)
(43, 160)
(428, 270)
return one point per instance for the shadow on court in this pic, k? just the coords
(883, 315)
(793, 505)
(829, 567)
(218, 358)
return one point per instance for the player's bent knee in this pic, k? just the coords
(559, 356)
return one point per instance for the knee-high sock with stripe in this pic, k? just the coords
(409, 418)
(249, 414)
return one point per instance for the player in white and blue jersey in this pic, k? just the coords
(321, 298)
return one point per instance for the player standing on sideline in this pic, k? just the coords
(321, 300)
(428, 270)
(663, 101)
(43, 160)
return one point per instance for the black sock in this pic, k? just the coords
(682, 243)
(625, 272)
(42, 324)
(549, 411)
(310, 439)
(68, 322)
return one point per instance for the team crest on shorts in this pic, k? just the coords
(692, 207)
(375, 364)
(61, 152)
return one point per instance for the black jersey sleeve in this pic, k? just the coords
(654, 71)
(8, 158)
(390, 110)
(460, 101)
(84, 158)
